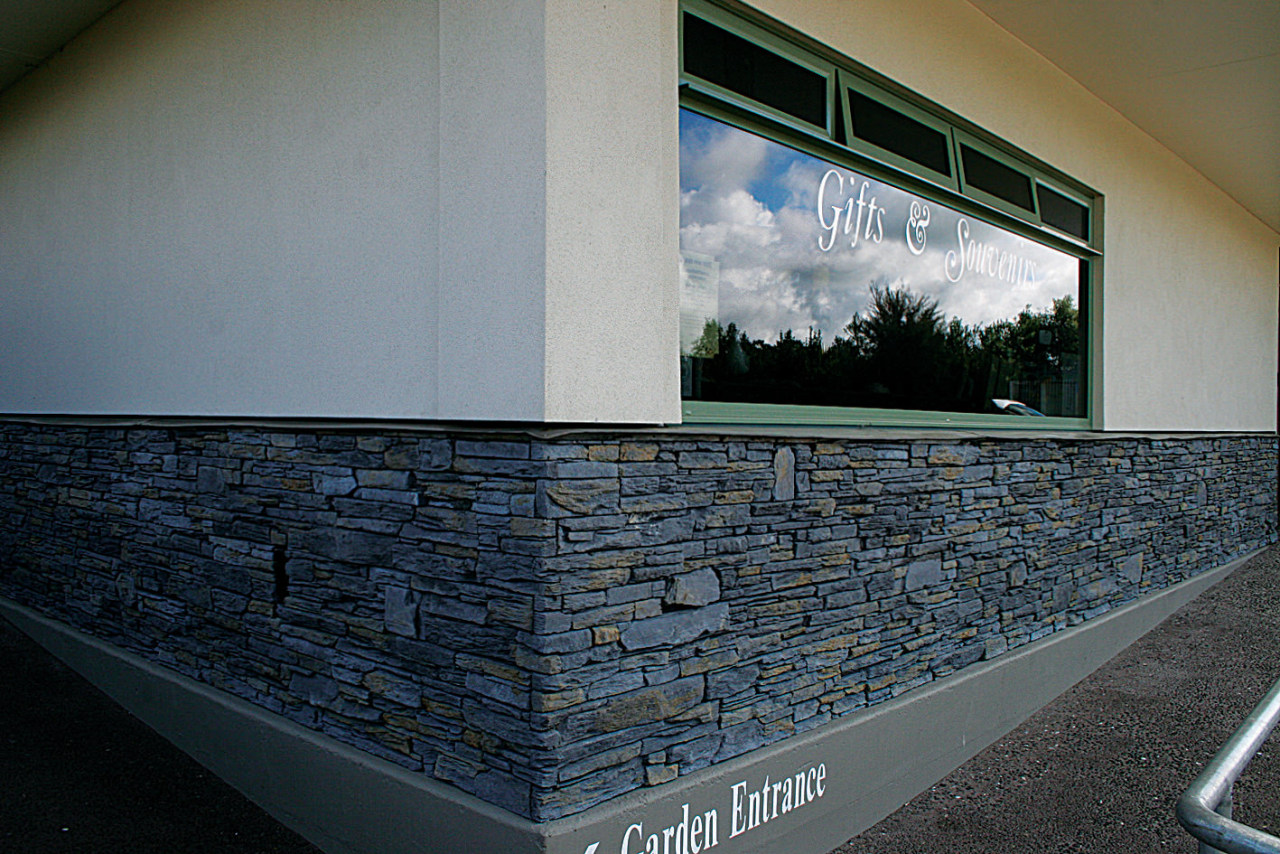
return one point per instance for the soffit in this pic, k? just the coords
(1200, 76)
(32, 30)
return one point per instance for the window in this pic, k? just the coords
(990, 176)
(873, 122)
(743, 64)
(870, 263)
(720, 57)
(1063, 213)
(890, 130)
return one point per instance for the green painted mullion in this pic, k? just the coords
(963, 139)
(848, 81)
(852, 159)
(720, 18)
(719, 412)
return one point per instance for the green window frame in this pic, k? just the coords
(850, 85)
(971, 152)
(837, 141)
(763, 39)
(1087, 207)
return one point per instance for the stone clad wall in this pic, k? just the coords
(708, 597)
(372, 587)
(549, 622)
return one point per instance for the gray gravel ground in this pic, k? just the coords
(1100, 768)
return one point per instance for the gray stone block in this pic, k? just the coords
(1131, 568)
(784, 474)
(729, 683)
(361, 547)
(400, 611)
(638, 708)
(925, 573)
(676, 628)
(315, 689)
(577, 497)
(693, 589)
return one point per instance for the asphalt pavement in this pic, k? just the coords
(1100, 768)
(1097, 770)
(80, 775)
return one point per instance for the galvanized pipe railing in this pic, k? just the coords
(1205, 807)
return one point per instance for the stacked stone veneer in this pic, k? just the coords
(549, 622)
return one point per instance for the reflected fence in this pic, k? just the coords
(1050, 396)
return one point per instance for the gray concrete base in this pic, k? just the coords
(813, 790)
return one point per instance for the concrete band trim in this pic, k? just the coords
(348, 802)
(574, 431)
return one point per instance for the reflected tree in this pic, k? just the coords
(903, 335)
(900, 353)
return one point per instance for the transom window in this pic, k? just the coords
(872, 262)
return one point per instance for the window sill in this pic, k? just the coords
(710, 413)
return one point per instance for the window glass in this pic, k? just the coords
(803, 282)
(992, 176)
(1063, 213)
(891, 130)
(720, 57)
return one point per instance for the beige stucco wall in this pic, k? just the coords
(375, 208)
(612, 216)
(1190, 278)
(559, 180)
(218, 208)
(490, 335)
(453, 210)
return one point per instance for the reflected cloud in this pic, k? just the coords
(784, 263)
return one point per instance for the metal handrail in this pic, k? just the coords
(1205, 807)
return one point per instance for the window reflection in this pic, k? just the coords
(806, 283)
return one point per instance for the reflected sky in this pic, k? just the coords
(773, 239)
